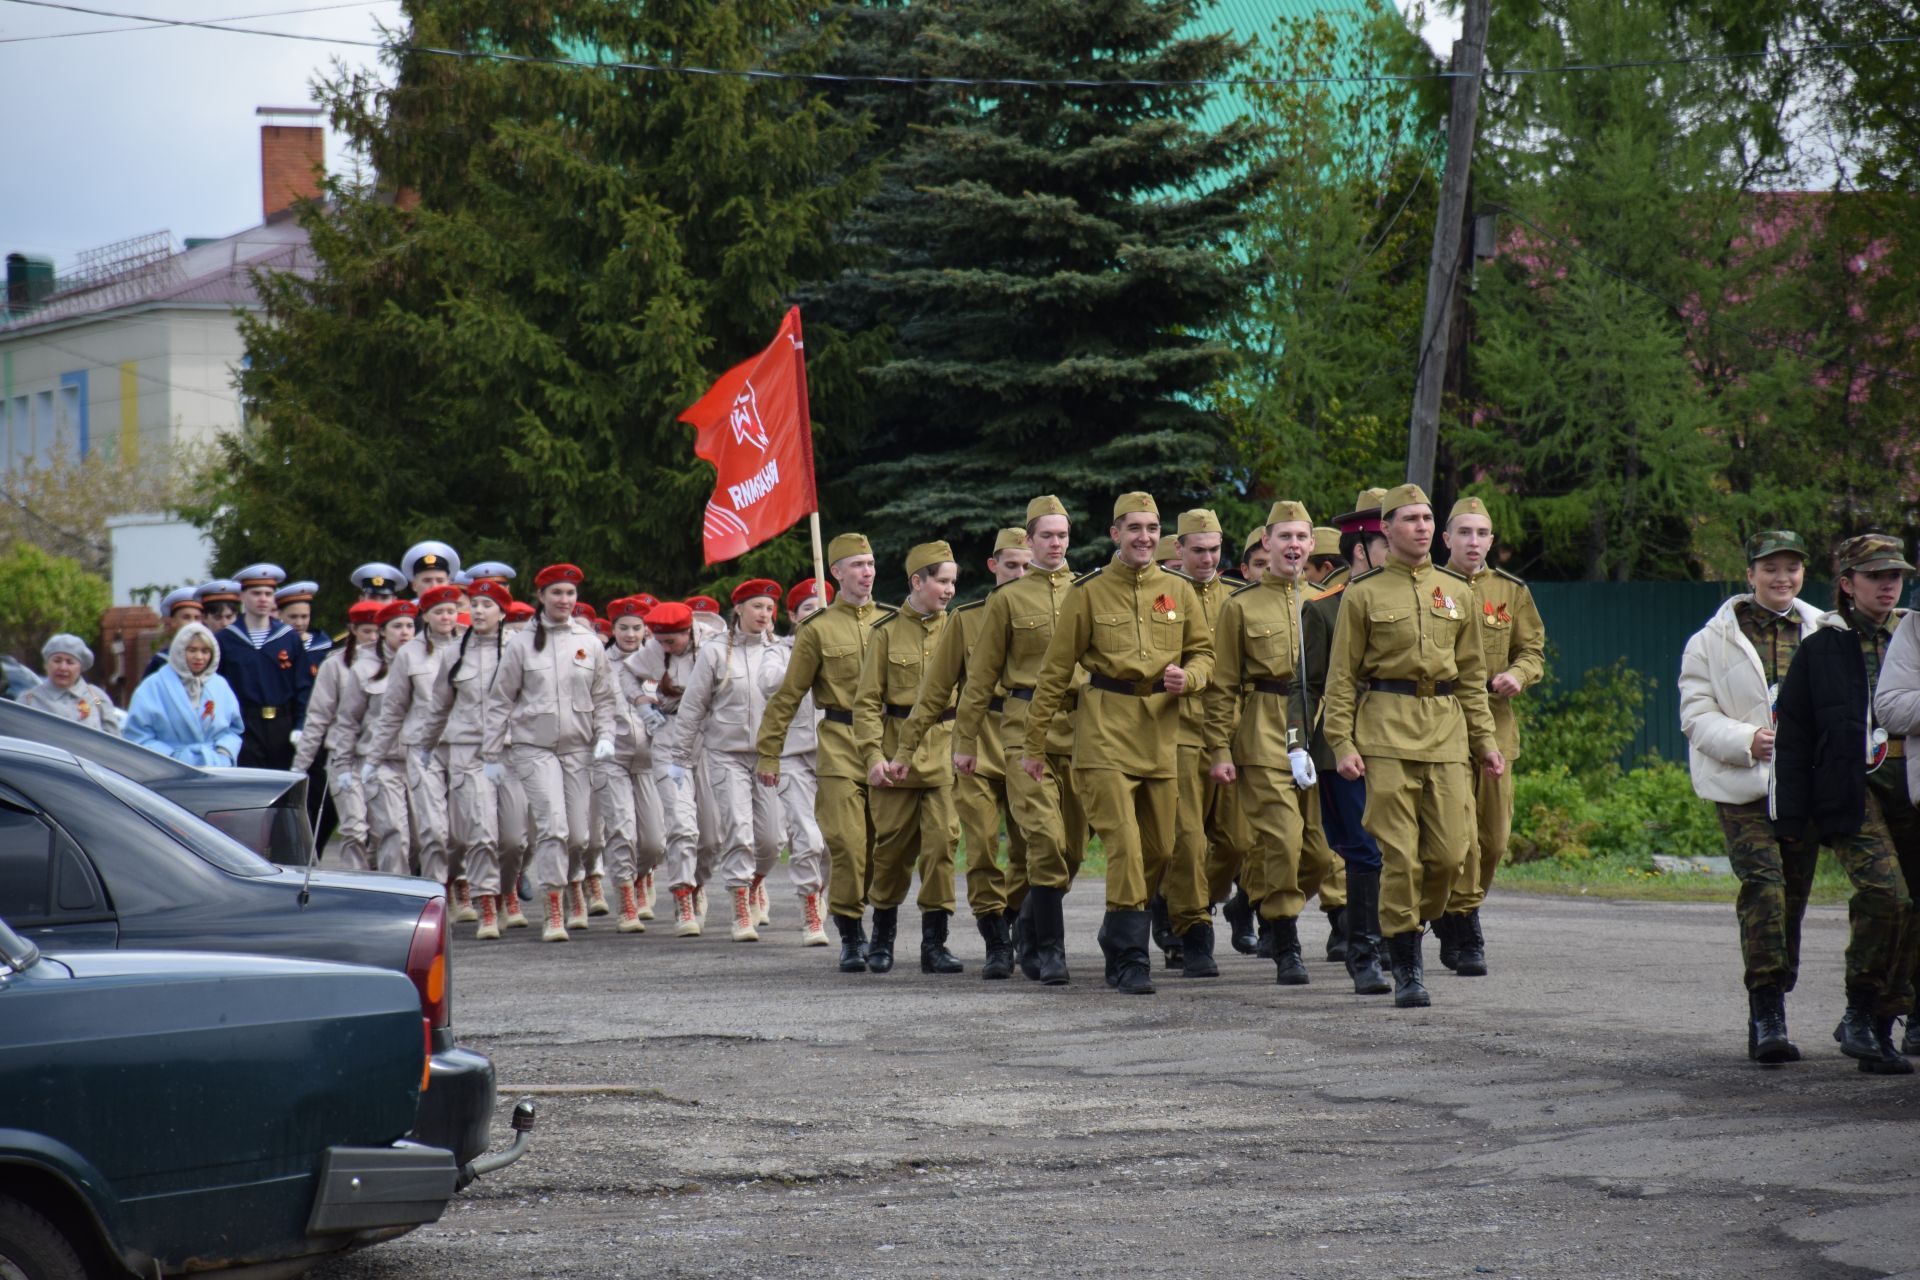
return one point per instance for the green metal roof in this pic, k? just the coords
(1254, 21)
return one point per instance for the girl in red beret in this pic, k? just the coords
(663, 665)
(322, 732)
(626, 808)
(405, 741)
(361, 697)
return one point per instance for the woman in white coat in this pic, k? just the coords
(324, 729)
(186, 710)
(553, 697)
(66, 659)
(1730, 677)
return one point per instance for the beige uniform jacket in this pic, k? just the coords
(406, 713)
(1006, 659)
(323, 714)
(727, 695)
(827, 652)
(897, 657)
(1256, 704)
(1514, 640)
(1415, 623)
(946, 676)
(361, 694)
(560, 698)
(666, 677)
(458, 715)
(1128, 625)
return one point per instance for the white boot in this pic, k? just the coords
(556, 930)
(576, 905)
(813, 931)
(645, 886)
(686, 921)
(700, 905)
(743, 930)
(630, 909)
(489, 919)
(463, 903)
(762, 914)
(515, 918)
(597, 898)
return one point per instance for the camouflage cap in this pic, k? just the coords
(1010, 540)
(1774, 541)
(1199, 520)
(848, 544)
(1168, 548)
(1326, 541)
(1405, 495)
(1045, 505)
(928, 555)
(1869, 552)
(1128, 503)
(1467, 507)
(1290, 511)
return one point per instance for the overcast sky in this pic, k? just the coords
(128, 132)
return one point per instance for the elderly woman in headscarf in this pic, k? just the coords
(186, 709)
(65, 692)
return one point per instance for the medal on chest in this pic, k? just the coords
(1165, 608)
(1441, 600)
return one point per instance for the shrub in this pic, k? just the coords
(1552, 817)
(42, 595)
(1581, 732)
(1647, 810)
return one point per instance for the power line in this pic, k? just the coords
(824, 77)
(159, 24)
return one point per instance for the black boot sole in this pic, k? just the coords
(882, 964)
(1470, 966)
(1863, 1054)
(949, 965)
(1200, 969)
(1774, 1053)
(1293, 976)
(1363, 987)
(1415, 999)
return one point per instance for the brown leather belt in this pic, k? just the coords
(839, 715)
(1137, 688)
(1414, 688)
(998, 704)
(899, 712)
(1282, 687)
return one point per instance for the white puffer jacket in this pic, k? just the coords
(1723, 699)
(1896, 695)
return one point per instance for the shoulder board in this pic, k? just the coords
(962, 608)
(341, 638)
(1452, 572)
(1510, 577)
(1235, 582)
(888, 609)
(880, 622)
(1362, 577)
(1091, 573)
(1181, 573)
(809, 618)
(1243, 587)
(1330, 592)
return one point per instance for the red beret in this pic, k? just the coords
(801, 590)
(493, 589)
(558, 573)
(670, 616)
(757, 587)
(519, 611)
(396, 609)
(587, 611)
(448, 594)
(703, 604)
(647, 602)
(362, 611)
(604, 627)
(628, 607)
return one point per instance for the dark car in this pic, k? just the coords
(90, 861)
(264, 809)
(169, 1113)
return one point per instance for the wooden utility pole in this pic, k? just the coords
(1423, 429)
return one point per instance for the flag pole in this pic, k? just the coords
(819, 561)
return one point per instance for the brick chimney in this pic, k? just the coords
(293, 154)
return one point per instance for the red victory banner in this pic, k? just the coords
(754, 430)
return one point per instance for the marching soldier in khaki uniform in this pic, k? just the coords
(1211, 830)
(1407, 710)
(1514, 640)
(828, 649)
(1321, 872)
(1008, 654)
(980, 797)
(1256, 724)
(1139, 633)
(910, 793)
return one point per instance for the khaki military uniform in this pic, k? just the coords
(1212, 830)
(913, 820)
(1008, 654)
(980, 799)
(1322, 872)
(1124, 626)
(1255, 714)
(1407, 691)
(1514, 641)
(828, 650)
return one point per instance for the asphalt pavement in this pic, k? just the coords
(710, 1108)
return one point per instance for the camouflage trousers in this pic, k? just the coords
(1881, 936)
(1776, 877)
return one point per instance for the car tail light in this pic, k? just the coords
(427, 964)
(426, 1058)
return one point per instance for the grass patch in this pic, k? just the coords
(1629, 878)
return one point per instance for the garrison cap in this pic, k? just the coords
(1773, 541)
(71, 645)
(296, 593)
(219, 591)
(1198, 520)
(430, 556)
(1128, 503)
(179, 596)
(927, 555)
(1289, 511)
(848, 544)
(1168, 548)
(1326, 541)
(260, 575)
(1869, 552)
(1467, 507)
(1253, 540)
(378, 577)
(1045, 505)
(1403, 495)
(1365, 516)
(1011, 539)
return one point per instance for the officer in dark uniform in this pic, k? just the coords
(266, 663)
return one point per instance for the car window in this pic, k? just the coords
(26, 843)
(187, 828)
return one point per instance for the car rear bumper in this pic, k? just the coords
(363, 1189)
(456, 1111)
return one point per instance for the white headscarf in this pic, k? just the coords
(177, 659)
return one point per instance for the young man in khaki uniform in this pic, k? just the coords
(828, 649)
(980, 797)
(1514, 640)
(1407, 710)
(1008, 653)
(1321, 872)
(911, 801)
(1235, 882)
(1139, 633)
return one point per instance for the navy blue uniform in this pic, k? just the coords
(272, 682)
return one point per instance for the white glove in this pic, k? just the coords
(494, 772)
(366, 771)
(1303, 771)
(424, 756)
(653, 718)
(603, 750)
(294, 737)
(676, 774)
(347, 781)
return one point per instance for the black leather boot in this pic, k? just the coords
(993, 931)
(1910, 1042)
(1289, 970)
(886, 921)
(1767, 1027)
(1445, 929)
(1363, 934)
(1129, 932)
(1025, 958)
(1196, 946)
(1889, 1063)
(1854, 1035)
(853, 944)
(1109, 950)
(1409, 986)
(1047, 921)
(1336, 934)
(1263, 945)
(1163, 935)
(1470, 951)
(934, 956)
(1238, 913)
